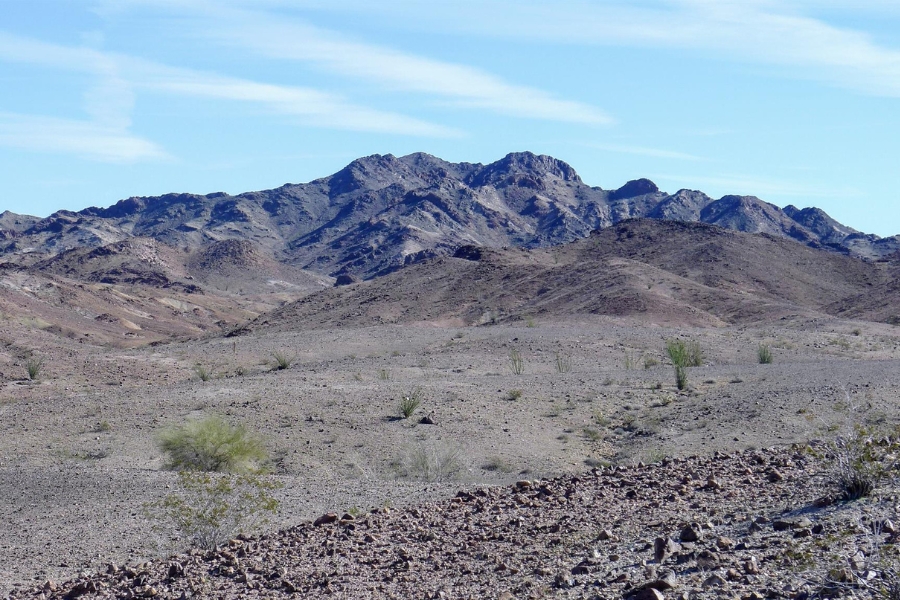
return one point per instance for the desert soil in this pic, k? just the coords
(79, 455)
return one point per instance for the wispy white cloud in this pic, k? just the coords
(646, 151)
(279, 35)
(110, 97)
(82, 138)
(783, 33)
(312, 107)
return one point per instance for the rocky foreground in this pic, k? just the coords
(757, 524)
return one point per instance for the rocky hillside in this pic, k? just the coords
(382, 212)
(752, 525)
(656, 271)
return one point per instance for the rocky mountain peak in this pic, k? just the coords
(381, 212)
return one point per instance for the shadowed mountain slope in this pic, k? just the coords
(657, 271)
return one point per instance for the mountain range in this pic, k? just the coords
(380, 213)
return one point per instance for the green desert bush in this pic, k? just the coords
(33, 367)
(514, 394)
(563, 363)
(410, 402)
(683, 354)
(282, 361)
(431, 462)
(212, 444)
(202, 372)
(764, 354)
(211, 508)
(516, 362)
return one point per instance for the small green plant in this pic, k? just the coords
(384, 375)
(34, 366)
(563, 363)
(102, 426)
(497, 464)
(630, 360)
(202, 372)
(209, 509)
(212, 444)
(282, 361)
(683, 354)
(516, 362)
(650, 362)
(529, 322)
(431, 462)
(410, 402)
(764, 354)
(591, 434)
(514, 395)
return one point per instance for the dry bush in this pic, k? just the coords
(211, 508)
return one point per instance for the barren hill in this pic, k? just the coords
(659, 271)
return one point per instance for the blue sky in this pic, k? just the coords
(794, 101)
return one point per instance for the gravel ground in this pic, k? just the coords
(79, 455)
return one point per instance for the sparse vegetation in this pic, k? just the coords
(282, 361)
(209, 509)
(856, 463)
(212, 444)
(497, 464)
(431, 462)
(683, 354)
(514, 395)
(764, 354)
(516, 362)
(384, 375)
(410, 402)
(591, 434)
(33, 367)
(650, 362)
(202, 372)
(630, 360)
(563, 363)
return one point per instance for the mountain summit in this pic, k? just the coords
(381, 212)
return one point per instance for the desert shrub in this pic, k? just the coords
(431, 462)
(630, 360)
(384, 375)
(410, 402)
(212, 444)
(563, 363)
(856, 463)
(33, 367)
(764, 354)
(282, 361)
(650, 362)
(683, 354)
(202, 372)
(514, 394)
(516, 362)
(211, 508)
(497, 464)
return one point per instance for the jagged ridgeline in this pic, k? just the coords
(382, 212)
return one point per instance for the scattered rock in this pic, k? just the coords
(325, 519)
(691, 533)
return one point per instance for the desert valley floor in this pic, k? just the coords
(79, 455)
